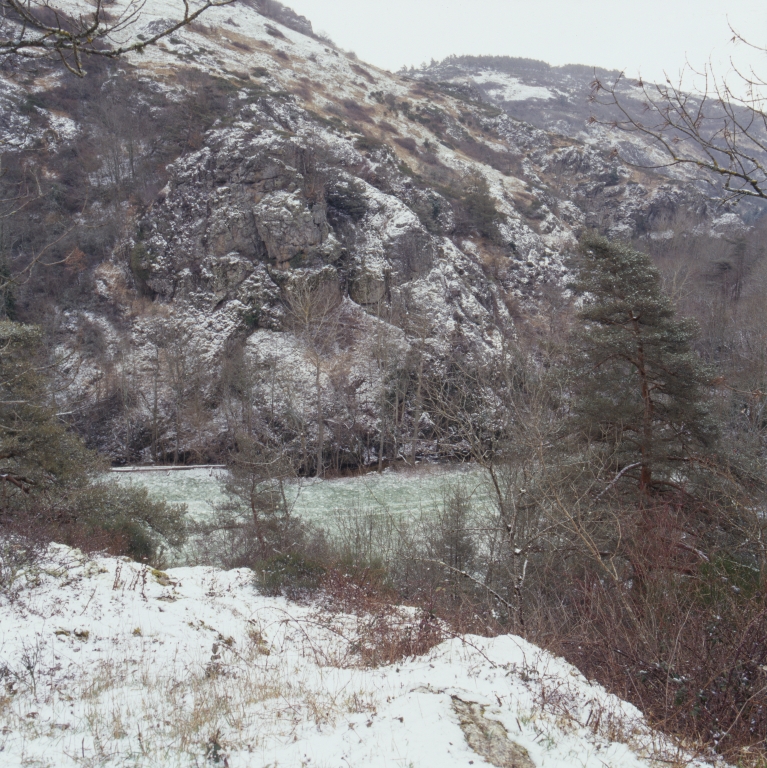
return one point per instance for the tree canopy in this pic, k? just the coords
(640, 388)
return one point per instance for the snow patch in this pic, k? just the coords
(507, 88)
(108, 662)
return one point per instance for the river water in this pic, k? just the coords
(409, 493)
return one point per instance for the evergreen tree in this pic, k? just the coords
(36, 450)
(7, 293)
(49, 480)
(640, 388)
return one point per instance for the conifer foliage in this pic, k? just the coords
(37, 451)
(640, 388)
(49, 480)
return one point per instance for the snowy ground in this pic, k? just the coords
(108, 663)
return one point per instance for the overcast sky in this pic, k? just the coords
(651, 36)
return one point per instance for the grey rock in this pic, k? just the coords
(488, 738)
(367, 288)
(289, 227)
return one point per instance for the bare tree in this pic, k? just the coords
(418, 326)
(387, 351)
(500, 413)
(17, 197)
(718, 128)
(34, 28)
(177, 379)
(311, 307)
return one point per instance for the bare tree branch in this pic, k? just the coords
(718, 130)
(32, 28)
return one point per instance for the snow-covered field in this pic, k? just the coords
(105, 662)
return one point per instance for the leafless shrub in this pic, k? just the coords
(407, 143)
(382, 632)
(19, 557)
(363, 72)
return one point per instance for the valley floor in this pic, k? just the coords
(106, 662)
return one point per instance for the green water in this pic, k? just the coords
(410, 493)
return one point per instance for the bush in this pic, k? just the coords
(48, 490)
(292, 575)
(475, 211)
(139, 266)
(406, 143)
(345, 198)
(369, 144)
(690, 651)
(144, 527)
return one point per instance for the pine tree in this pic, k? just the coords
(640, 388)
(37, 452)
(49, 480)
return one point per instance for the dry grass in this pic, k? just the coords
(237, 698)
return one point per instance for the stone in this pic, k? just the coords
(489, 738)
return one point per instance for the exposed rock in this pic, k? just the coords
(367, 288)
(437, 205)
(489, 738)
(225, 274)
(288, 227)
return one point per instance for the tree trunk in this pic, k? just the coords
(645, 476)
(155, 403)
(320, 420)
(417, 411)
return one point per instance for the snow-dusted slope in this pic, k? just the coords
(315, 167)
(105, 662)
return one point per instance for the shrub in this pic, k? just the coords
(369, 144)
(292, 575)
(407, 143)
(139, 259)
(475, 210)
(143, 526)
(345, 197)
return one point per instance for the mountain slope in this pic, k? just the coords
(268, 203)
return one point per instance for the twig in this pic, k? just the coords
(467, 576)
(618, 477)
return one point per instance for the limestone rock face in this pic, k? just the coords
(225, 274)
(289, 227)
(367, 288)
(441, 211)
(233, 228)
(411, 253)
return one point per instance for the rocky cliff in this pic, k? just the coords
(292, 240)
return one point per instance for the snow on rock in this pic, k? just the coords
(507, 88)
(320, 163)
(107, 662)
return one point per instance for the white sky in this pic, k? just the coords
(647, 37)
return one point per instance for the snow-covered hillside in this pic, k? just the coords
(106, 662)
(435, 215)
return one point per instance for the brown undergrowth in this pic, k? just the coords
(687, 643)
(384, 630)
